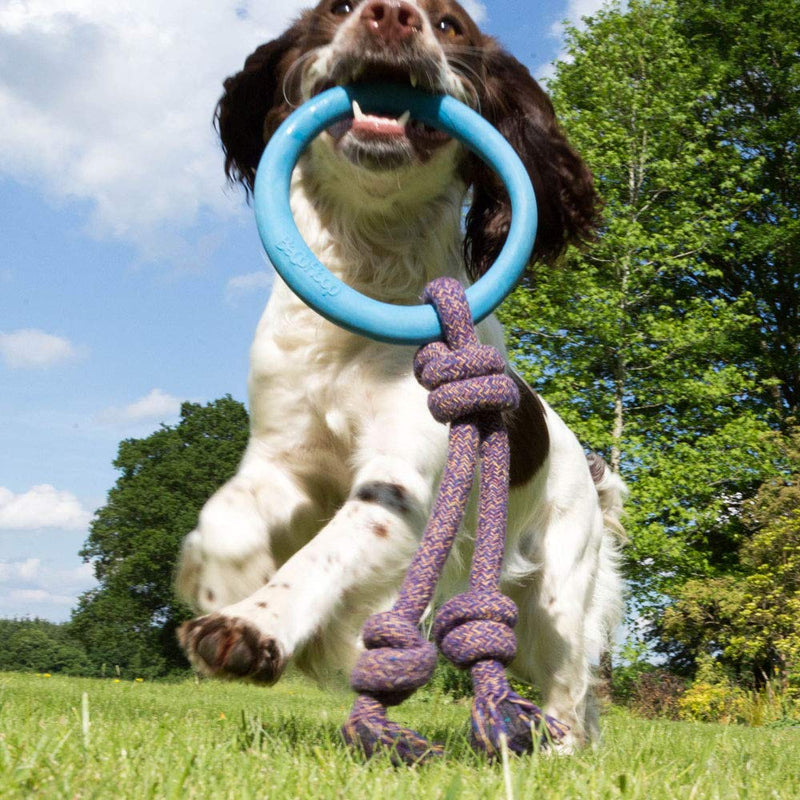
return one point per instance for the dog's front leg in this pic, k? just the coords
(358, 558)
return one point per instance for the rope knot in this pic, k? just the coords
(397, 660)
(465, 381)
(477, 626)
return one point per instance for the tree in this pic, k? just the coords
(134, 540)
(752, 53)
(642, 360)
(750, 620)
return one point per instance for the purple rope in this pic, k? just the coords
(468, 389)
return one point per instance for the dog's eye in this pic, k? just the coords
(341, 9)
(449, 27)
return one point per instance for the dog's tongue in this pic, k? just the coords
(371, 125)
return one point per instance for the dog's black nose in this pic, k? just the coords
(391, 20)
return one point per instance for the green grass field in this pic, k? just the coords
(216, 740)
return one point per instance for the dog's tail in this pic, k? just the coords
(611, 490)
(607, 608)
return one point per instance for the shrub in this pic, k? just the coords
(656, 694)
(712, 702)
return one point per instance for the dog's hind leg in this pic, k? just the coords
(555, 646)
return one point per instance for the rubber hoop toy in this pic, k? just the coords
(314, 283)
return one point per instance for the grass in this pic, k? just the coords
(216, 740)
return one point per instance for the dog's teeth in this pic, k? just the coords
(414, 79)
(357, 112)
(404, 118)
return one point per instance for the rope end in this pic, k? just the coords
(514, 719)
(368, 731)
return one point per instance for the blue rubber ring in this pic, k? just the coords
(314, 283)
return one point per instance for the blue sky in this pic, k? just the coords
(131, 276)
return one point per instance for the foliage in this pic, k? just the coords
(751, 53)
(656, 694)
(672, 343)
(711, 702)
(450, 680)
(750, 620)
(219, 739)
(129, 621)
(634, 661)
(625, 341)
(456, 684)
(36, 645)
(714, 697)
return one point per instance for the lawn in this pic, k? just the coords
(217, 740)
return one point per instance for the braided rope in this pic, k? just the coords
(468, 389)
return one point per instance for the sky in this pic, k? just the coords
(131, 275)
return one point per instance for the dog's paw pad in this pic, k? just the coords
(229, 647)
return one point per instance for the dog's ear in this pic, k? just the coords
(567, 203)
(253, 104)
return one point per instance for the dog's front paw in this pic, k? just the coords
(230, 647)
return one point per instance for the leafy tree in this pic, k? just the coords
(751, 51)
(750, 620)
(130, 619)
(642, 360)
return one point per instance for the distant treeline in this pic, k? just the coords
(36, 645)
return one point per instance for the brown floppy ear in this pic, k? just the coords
(567, 203)
(253, 105)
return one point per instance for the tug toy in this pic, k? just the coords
(326, 294)
(469, 390)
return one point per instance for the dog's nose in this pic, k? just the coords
(391, 20)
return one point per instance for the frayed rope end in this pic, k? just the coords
(517, 720)
(369, 731)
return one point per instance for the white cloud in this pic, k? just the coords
(43, 589)
(34, 349)
(25, 570)
(242, 285)
(112, 103)
(42, 507)
(154, 406)
(40, 597)
(475, 9)
(576, 11)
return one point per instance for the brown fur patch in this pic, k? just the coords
(527, 433)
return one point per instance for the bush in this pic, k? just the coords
(633, 661)
(656, 694)
(451, 680)
(712, 702)
(727, 704)
(455, 682)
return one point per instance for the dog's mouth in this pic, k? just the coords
(378, 141)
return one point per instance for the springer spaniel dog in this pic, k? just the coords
(315, 531)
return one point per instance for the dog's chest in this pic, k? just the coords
(314, 388)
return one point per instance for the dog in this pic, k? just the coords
(316, 529)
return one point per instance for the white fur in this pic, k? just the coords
(287, 548)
